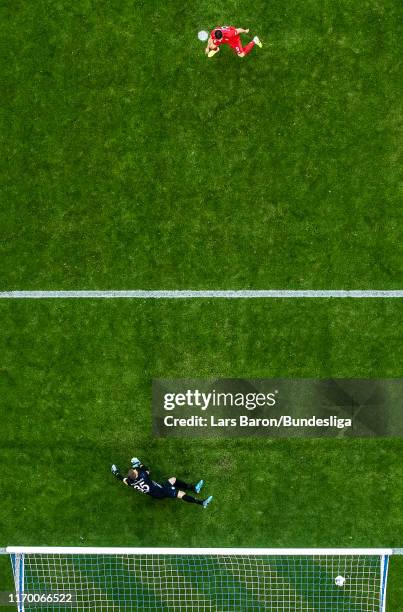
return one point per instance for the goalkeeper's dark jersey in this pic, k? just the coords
(145, 484)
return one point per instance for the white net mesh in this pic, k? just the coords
(177, 582)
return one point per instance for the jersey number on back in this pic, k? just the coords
(142, 487)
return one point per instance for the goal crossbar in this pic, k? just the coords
(89, 550)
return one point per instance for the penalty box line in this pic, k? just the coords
(204, 294)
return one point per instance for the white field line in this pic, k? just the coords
(196, 294)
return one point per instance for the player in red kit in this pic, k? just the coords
(228, 35)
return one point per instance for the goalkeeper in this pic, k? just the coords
(138, 477)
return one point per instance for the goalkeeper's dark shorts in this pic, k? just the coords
(164, 490)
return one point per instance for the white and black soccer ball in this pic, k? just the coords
(340, 581)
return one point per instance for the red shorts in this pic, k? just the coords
(236, 44)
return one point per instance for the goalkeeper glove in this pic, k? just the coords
(135, 462)
(114, 470)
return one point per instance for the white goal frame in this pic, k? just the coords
(18, 555)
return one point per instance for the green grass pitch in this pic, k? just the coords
(76, 383)
(128, 160)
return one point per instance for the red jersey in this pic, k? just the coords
(229, 36)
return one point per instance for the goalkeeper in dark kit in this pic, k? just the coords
(138, 478)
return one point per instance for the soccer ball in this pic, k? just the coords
(340, 581)
(202, 35)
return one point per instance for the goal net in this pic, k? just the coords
(177, 579)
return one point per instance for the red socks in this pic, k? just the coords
(249, 47)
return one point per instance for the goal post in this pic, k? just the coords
(220, 579)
